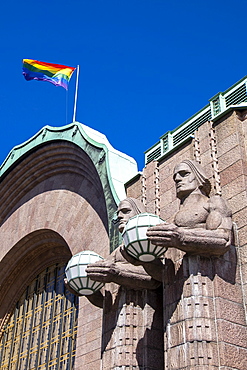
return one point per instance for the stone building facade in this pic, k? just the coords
(59, 194)
(205, 299)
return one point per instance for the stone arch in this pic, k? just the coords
(42, 166)
(114, 167)
(55, 187)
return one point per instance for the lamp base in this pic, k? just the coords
(146, 257)
(86, 291)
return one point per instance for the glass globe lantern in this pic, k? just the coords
(76, 275)
(135, 239)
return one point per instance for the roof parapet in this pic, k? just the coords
(219, 104)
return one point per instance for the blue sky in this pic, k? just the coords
(145, 65)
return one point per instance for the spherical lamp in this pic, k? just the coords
(135, 239)
(76, 273)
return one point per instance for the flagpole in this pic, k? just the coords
(76, 92)
(66, 110)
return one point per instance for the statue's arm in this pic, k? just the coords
(194, 241)
(117, 269)
(203, 242)
(213, 240)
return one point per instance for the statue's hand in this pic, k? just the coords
(129, 258)
(103, 271)
(71, 290)
(168, 235)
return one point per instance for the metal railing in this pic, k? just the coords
(220, 102)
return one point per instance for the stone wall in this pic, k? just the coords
(53, 206)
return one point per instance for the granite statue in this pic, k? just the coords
(203, 224)
(116, 267)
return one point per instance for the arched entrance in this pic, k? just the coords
(41, 330)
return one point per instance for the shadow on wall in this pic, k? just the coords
(207, 269)
(134, 312)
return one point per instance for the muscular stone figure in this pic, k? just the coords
(116, 268)
(203, 224)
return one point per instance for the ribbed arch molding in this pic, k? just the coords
(48, 161)
(118, 167)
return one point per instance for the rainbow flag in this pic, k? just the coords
(57, 74)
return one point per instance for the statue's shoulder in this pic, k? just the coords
(217, 203)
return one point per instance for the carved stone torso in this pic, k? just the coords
(193, 212)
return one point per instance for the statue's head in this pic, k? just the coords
(189, 176)
(128, 208)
